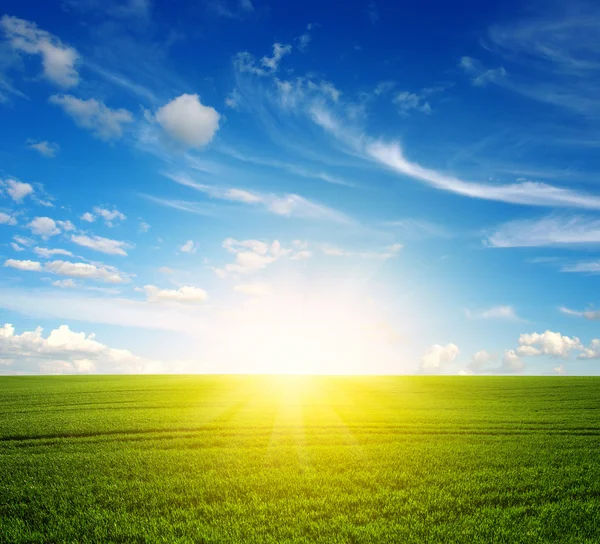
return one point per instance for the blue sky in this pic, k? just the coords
(238, 186)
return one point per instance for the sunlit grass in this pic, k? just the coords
(299, 459)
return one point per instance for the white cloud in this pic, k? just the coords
(66, 226)
(104, 122)
(560, 370)
(511, 363)
(592, 315)
(480, 361)
(188, 121)
(16, 246)
(251, 256)
(334, 251)
(7, 219)
(62, 351)
(17, 190)
(107, 274)
(549, 231)
(290, 205)
(184, 295)
(496, 312)
(103, 245)
(548, 343)
(29, 266)
(165, 270)
(255, 289)
(245, 62)
(232, 100)
(144, 227)
(110, 216)
(65, 284)
(58, 60)
(524, 192)
(44, 227)
(583, 267)
(44, 148)
(481, 76)
(435, 356)
(591, 352)
(188, 247)
(47, 253)
(407, 102)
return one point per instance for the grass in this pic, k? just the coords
(300, 459)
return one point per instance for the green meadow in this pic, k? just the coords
(264, 459)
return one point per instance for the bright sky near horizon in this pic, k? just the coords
(253, 186)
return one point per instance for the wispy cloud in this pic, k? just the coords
(554, 230)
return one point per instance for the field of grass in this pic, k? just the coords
(299, 459)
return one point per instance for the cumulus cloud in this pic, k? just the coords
(111, 217)
(183, 295)
(29, 266)
(188, 121)
(548, 343)
(252, 255)
(44, 227)
(107, 274)
(103, 245)
(62, 351)
(16, 190)
(59, 61)
(44, 148)
(104, 122)
(7, 219)
(188, 247)
(437, 355)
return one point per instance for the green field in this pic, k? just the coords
(299, 459)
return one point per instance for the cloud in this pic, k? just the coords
(183, 295)
(418, 228)
(44, 148)
(591, 352)
(483, 363)
(289, 205)
(407, 102)
(548, 343)
(480, 76)
(7, 219)
(144, 227)
(58, 60)
(592, 315)
(305, 39)
(65, 284)
(560, 370)
(103, 245)
(44, 227)
(372, 12)
(107, 274)
(188, 247)
(110, 216)
(62, 351)
(255, 289)
(104, 122)
(583, 267)
(232, 100)
(47, 253)
(251, 256)
(480, 362)
(245, 62)
(16, 190)
(525, 192)
(334, 251)
(511, 363)
(549, 231)
(28, 266)
(435, 356)
(496, 312)
(188, 121)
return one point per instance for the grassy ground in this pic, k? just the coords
(312, 460)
